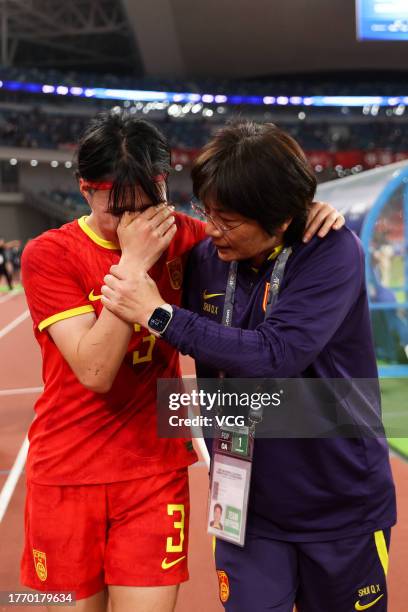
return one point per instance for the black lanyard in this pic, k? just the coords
(274, 287)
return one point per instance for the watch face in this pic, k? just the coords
(159, 319)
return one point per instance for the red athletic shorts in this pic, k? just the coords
(81, 538)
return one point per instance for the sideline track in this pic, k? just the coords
(6, 330)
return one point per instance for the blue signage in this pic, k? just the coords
(382, 19)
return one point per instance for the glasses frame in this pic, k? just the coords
(200, 210)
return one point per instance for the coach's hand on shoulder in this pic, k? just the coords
(321, 219)
(131, 295)
(144, 236)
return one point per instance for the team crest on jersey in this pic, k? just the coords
(175, 269)
(40, 564)
(223, 583)
(265, 297)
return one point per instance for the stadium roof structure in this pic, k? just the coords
(255, 38)
(191, 39)
(356, 196)
(73, 34)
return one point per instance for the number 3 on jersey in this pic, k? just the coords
(149, 341)
(178, 526)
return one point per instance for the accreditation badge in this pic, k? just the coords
(230, 479)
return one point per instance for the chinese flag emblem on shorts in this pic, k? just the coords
(40, 564)
(224, 585)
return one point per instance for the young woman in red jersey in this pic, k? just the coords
(107, 500)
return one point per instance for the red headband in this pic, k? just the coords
(107, 185)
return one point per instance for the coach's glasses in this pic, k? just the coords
(204, 216)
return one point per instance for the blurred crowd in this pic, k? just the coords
(36, 128)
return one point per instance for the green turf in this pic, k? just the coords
(394, 394)
(5, 289)
(397, 270)
(400, 446)
(397, 277)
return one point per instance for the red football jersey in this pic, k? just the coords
(82, 437)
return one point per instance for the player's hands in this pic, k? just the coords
(321, 219)
(131, 295)
(144, 236)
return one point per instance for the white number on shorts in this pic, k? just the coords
(171, 509)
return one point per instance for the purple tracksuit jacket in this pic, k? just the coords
(302, 489)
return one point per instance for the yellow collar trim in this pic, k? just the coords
(275, 252)
(272, 256)
(106, 244)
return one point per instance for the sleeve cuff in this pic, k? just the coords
(175, 329)
(66, 314)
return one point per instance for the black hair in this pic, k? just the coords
(128, 151)
(259, 171)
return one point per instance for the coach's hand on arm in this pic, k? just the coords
(130, 295)
(144, 236)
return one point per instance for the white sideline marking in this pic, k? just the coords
(14, 323)
(9, 295)
(22, 391)
(15, 473)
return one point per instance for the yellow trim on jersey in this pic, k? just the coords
(214, 544)
(382, 549)
(106, 244)
(66, 314)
